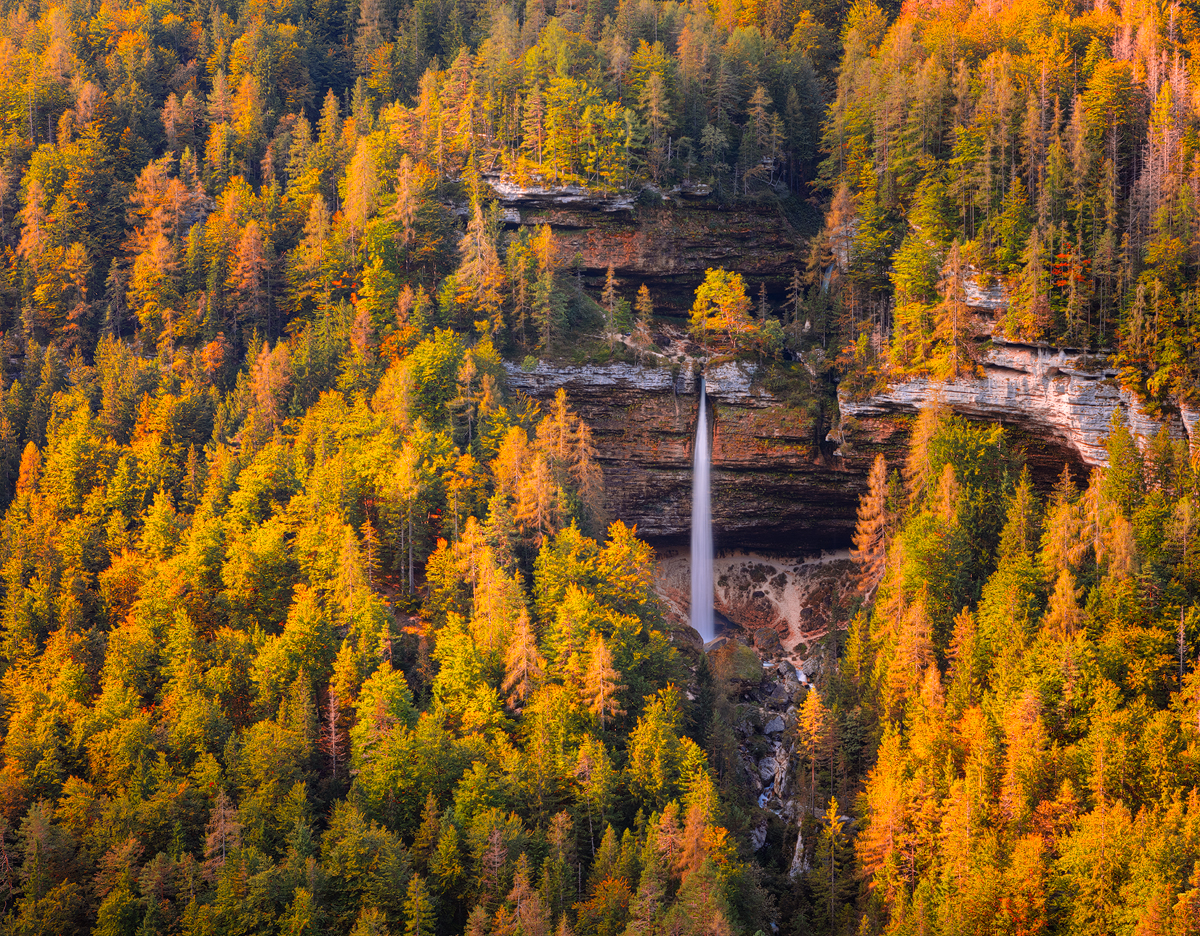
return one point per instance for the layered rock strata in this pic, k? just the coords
(776, 486)
(1057, 398)
(667, 247)
(788, 482)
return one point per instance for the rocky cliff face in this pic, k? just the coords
(784, 481)
(786, 605)
(1060, 403)
(667, 245)
(776, 486)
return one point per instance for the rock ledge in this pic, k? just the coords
(1053, 393)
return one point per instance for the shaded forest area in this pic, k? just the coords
(1046, 149)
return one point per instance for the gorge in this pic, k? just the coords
(784, 477)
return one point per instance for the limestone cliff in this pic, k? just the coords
(776, 486)
(666, 244)
(1057, 400)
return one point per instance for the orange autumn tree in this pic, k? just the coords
(722, 309)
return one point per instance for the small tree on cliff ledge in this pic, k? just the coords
(722, 306)
(872, 532)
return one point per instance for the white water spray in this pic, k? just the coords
(702, 545)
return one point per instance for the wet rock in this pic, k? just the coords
(799, 856)
(766, 769)
(823, 581)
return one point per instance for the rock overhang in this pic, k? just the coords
(1059, 396)
(776, 487)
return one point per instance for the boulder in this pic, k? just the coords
(774, 726)
(685, 636)
(766, 640)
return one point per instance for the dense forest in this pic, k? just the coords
(1047, 150)
(1026, 670)
(308, 624)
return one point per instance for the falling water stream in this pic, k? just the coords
(702, 545)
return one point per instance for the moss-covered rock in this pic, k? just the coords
(737, 663)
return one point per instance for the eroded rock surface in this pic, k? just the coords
(776, 486)
(1060, 398)
(667, 247)
(795, 599)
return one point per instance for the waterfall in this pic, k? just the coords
(702, 545)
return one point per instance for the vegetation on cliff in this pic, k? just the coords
(1047, 148)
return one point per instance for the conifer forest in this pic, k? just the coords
(313, 622)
